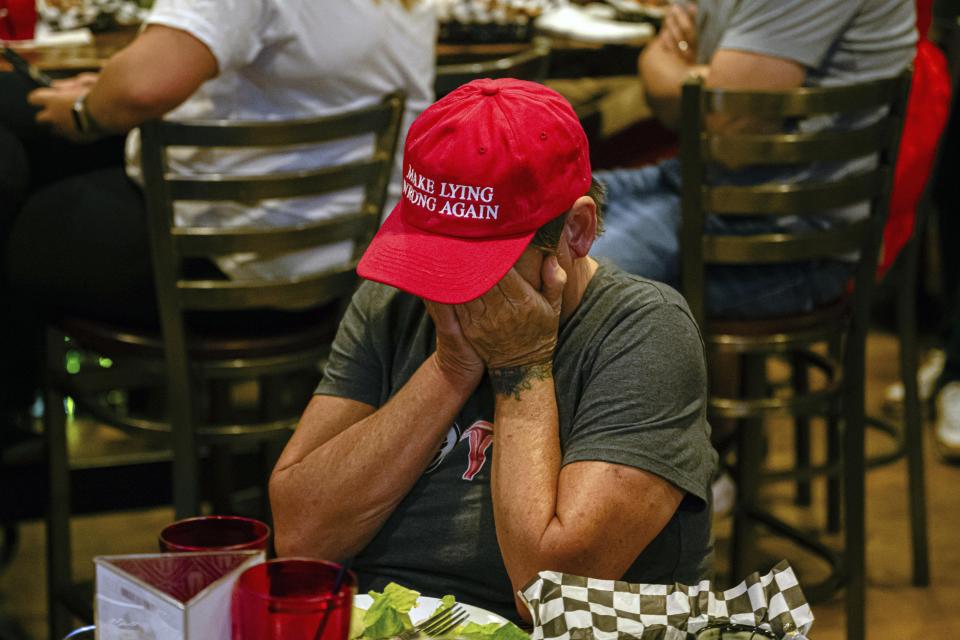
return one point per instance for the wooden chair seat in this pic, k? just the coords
(265, 335)
(827, 317)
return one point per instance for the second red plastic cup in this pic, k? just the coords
(215, 533)
(292, 599)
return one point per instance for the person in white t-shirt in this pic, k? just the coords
(72, 220)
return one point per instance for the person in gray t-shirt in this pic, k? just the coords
(507, 405)
(749, 44)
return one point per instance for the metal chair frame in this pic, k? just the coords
(530, 64)
(179, 360)
(842, 326)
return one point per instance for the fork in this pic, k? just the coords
(437, 624)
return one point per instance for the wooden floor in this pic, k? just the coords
(896, 610)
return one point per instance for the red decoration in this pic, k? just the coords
(927, 109)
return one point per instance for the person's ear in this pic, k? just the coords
(580, 229)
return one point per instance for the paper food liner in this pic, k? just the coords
(572, 607)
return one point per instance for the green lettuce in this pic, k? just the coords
(389, 614)
(491, 631)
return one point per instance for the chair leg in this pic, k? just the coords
(220, 456)
(913, 417)
(271, 396)
(11, 540)
(749, 466)
(59, 571)
(186, 463)
(221, 478)
(800, 382)
(854, 487)
(834, 482)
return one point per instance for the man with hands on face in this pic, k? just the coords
(496, 402)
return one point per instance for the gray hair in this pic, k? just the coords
(548, 236)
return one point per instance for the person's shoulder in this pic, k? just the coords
(375, 298)
(374, 293)
(631, 293)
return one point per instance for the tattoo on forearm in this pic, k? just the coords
(512, 381)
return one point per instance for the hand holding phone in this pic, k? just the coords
(25, 69)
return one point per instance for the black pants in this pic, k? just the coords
(73, 238)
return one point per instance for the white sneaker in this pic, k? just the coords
(927, 375)
(947, 432)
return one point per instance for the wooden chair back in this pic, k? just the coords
(705, 149)
(172, 244)
(179, 291)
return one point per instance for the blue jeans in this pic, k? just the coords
(642, 221)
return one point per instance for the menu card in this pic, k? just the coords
(168, 596)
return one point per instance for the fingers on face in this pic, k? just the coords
(444, 316)
(554, 281)
(516, 289)
(474, 308)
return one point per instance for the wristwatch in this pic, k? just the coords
(84, 123)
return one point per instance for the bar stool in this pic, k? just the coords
(830, 340)
(199, 367)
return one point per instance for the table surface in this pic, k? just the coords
(94, 55)
(80, 56)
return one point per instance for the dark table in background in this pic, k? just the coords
(569, 58)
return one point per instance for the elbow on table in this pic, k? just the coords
(296, 535)
(290, 529)
(290, 544)
(598, 557)
(308, 539)
(302, 530)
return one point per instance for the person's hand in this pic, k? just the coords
(678, 33)
(84, 80)
(513, 324)
(56, 104)
(455, 356)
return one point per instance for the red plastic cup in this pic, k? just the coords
(292, 599)
(214, 533)
(18, 19)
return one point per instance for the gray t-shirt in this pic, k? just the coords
(631, 386)
(839, 42)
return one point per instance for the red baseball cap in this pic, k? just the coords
(483, 169)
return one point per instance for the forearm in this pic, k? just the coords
(119, 103)
(526, 468)
(332, 501)
(588, 518)
(663, 73)
(155, 74)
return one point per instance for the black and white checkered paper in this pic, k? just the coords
(567, 607)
